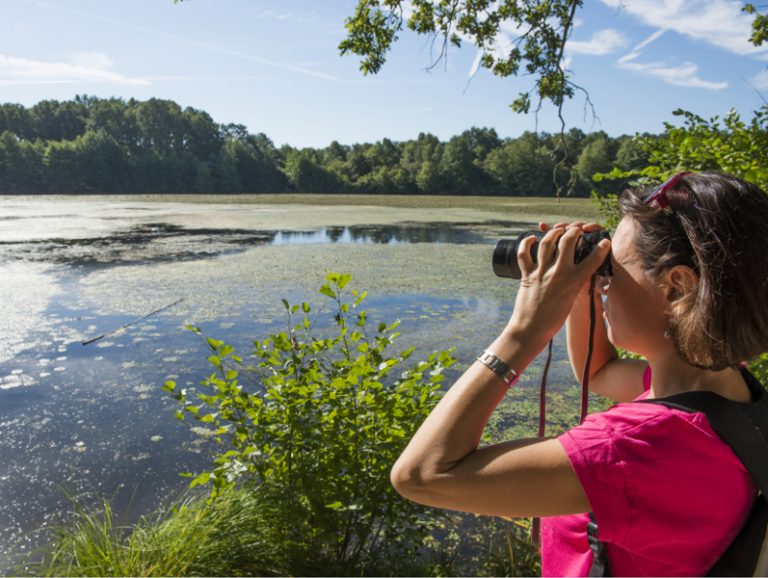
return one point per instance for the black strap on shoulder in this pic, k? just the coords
(743, 426)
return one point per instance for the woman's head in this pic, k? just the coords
(711, 228)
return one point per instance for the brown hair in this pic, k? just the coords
(718, 226)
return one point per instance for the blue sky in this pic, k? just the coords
(274, 66)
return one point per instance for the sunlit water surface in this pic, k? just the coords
(88, 422)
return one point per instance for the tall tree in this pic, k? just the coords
(522, 167)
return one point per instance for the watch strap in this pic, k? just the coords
(499, 367)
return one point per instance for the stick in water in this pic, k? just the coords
(132, 322)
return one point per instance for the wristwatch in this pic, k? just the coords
(497, 366)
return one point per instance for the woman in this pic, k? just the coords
(688, 293)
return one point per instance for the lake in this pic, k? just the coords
(83, 416)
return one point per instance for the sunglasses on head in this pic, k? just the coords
(660, 199)
(659, 194)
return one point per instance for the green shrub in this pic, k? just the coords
(759, 367)
(300, 485)
(730, 144)
(316, 422)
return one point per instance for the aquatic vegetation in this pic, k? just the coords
(444, 295)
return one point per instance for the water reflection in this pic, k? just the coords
(92, 421)
(164, 242)
(383, 234)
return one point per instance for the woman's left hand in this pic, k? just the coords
(550, 284)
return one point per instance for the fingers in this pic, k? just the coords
(570, 238)
(525, 255)
(590, 263)
(548, 245)
(593, 260)
(583, 225)
(591, 227)
(558, 245)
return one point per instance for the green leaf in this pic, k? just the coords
(200, 480)
(327, 291)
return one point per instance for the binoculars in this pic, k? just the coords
(504, 257)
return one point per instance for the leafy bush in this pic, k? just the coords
(315, 423)
(730, 144)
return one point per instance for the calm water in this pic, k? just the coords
(91, 421)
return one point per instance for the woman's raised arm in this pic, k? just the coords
(443, 465)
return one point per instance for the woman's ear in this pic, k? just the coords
(678, 282)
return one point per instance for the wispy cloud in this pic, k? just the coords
(87, 67)
(719, 23)
(685, 74)
(760, 80)
(499, 47)
(192, 42)
(652, 38)
(602, 42)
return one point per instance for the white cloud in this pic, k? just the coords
(717, 22)
(191, 41)
(685, 74)
(760, 80)
(97, 60)
(638, 50)
(84, 67)
(500, 46)
(713, 21)
(602, 42)
(652, 38)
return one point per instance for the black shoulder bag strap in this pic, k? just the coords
(744, 427)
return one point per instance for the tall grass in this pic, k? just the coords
(193, 537)
(241, 533)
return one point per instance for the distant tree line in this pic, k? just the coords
(95, 145)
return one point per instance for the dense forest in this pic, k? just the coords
(95, 145)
